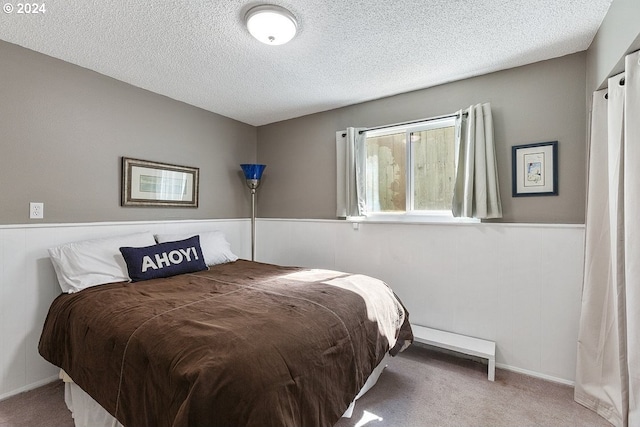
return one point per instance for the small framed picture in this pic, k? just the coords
(535, 169)
(146, 183)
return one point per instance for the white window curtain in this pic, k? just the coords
(476, 193)
(351, 181)
(608, 362)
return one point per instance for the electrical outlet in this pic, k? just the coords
(36, 210)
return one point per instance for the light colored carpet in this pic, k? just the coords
(41, 407)
(421, 387)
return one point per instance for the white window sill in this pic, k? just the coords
(413, 219)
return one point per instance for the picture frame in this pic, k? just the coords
(535, 169)
(154, 184)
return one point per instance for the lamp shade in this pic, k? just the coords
(253, 171)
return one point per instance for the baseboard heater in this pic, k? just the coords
(458, 343)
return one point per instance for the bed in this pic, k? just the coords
(238, 343)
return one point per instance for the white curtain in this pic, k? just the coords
(608, 363)
(476, 193)
(351, 180)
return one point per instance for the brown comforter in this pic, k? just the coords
(243, 344)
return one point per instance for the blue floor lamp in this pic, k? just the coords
(253, 175)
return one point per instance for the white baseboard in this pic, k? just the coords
(500, 365)
(535, 374)
(28, 387)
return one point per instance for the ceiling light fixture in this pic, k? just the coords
(271, 24)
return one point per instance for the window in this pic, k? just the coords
(411, 169)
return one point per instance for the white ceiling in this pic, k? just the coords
(346, 51)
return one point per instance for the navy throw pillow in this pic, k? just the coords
(164, 259)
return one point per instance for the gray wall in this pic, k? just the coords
(541, 102)
(618, 35)
(63, 130)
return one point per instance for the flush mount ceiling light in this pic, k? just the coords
(271, 24)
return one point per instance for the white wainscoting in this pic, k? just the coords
(516, 284)
(28, 285)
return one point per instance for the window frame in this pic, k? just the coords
(410, 214)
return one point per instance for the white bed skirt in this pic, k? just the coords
(87, 412)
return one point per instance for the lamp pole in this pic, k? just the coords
(253, 174)
(253, 223)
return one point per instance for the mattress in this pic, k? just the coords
(86, 412)
(243, 344)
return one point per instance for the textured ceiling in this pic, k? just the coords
(346, 51)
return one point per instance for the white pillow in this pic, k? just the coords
(87, 263)
(215, 248)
